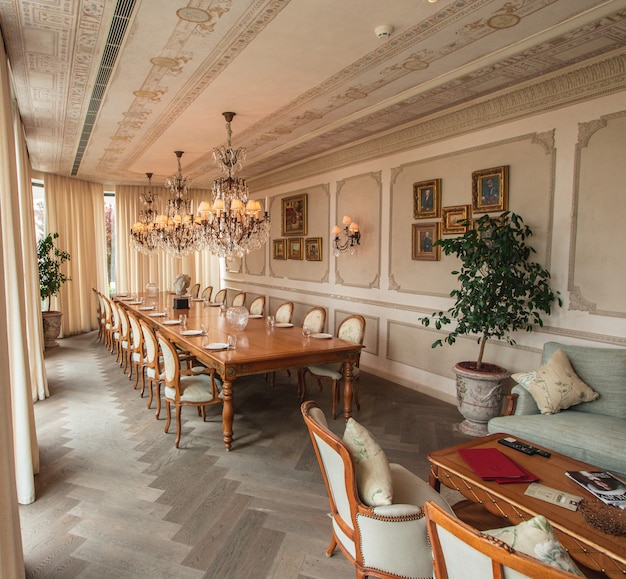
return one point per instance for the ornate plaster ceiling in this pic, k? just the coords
(109, 89)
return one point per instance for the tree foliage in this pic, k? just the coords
(49, 260)
(501, 289)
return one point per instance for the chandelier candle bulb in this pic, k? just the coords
(346, 220)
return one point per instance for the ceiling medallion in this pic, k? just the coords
(164, 61)
(148, 94)
(415, 64)
(501, 21)
(193, 14)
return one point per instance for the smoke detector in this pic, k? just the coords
(383, 31)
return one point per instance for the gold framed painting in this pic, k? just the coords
(294, 248)
(490, 190)
(427, 199)
(423, 242)
(280, 249)
(294, 215)
(313, 249)
(453, 217)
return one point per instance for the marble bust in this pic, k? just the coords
(181, 283)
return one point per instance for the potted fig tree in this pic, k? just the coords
(49, 260)
(502, 290)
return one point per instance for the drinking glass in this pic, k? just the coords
(232, 342)
(306, 332)
(182, 318)
(204, 328)
(270, 321)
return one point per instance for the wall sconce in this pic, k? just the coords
(352, 236)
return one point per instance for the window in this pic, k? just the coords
(109, 225)
(39, 206)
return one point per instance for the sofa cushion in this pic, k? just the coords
(537, 538)
(373, 475)
(595, 439)
(555, 386)
(604, 369)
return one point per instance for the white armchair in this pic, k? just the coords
(380, 541)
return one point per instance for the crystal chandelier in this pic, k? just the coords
(233, 225)
(174, 231)
(141, 235)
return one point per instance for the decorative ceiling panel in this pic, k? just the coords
(303, 77)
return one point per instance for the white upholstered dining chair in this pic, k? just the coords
(257, 306)
(206, 293)
(220, 297)
(185, 387)
(284, 313)
(194, 290)
(380, 541)
(351, 329)
(239, 299)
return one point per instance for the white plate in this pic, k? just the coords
(171, 322)
(321, 336)
(214, 305)
(146, 308)
(217, 346)
(157, 315)
(284, 325)
(134, 303)
(191, 333)
(254, 316)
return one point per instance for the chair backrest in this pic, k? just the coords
(171, 363)
(239, 299)
(315, 320)
(194, 290)
(124, 323)
(108, 310)
(206, 292)
(220, 297)
(352, 329)
(151, 346)
(116, 320)
(136, 334)
(459, 550)
(336, 464)
(257, 306)
(284, 313)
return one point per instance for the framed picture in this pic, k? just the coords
(451, 217)
(280, 249)
(427, 199)
(294, 215)
(294, 248)
(490, 190)
(313, 249)
(423, 241)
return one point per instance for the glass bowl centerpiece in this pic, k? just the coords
(237, 317)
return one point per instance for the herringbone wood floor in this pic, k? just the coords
(116, 499)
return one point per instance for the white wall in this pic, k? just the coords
(565, 180)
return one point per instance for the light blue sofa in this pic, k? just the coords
(594, 432)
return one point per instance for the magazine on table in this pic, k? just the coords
(601, 484)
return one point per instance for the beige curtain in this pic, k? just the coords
(11, 556)
(134, 269)
(75, 209)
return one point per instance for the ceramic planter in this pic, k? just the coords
(479, 395)
(51, 328)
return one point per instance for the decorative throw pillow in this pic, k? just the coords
(373, 476)
(555, 386)
(537, 538)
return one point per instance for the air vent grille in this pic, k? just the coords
(119, 24)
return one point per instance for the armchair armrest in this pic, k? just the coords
(525, 403)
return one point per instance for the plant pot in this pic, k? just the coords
(51, 328)
(479, 395)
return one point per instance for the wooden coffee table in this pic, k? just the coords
(589, 546)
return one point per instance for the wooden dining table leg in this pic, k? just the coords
(347, 389)
(227, 413)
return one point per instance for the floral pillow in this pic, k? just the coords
(537, 538)
(373, 476)
(555, 386)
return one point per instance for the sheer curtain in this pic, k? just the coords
(134, 269)
(11, 556)
(75, 209)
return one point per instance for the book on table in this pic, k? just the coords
(602, 485)
(492, 465)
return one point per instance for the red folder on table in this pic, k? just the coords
(491, 464)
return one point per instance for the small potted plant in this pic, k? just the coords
(49, 260)
(501, 291)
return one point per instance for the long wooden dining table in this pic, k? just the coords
(259, 349)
